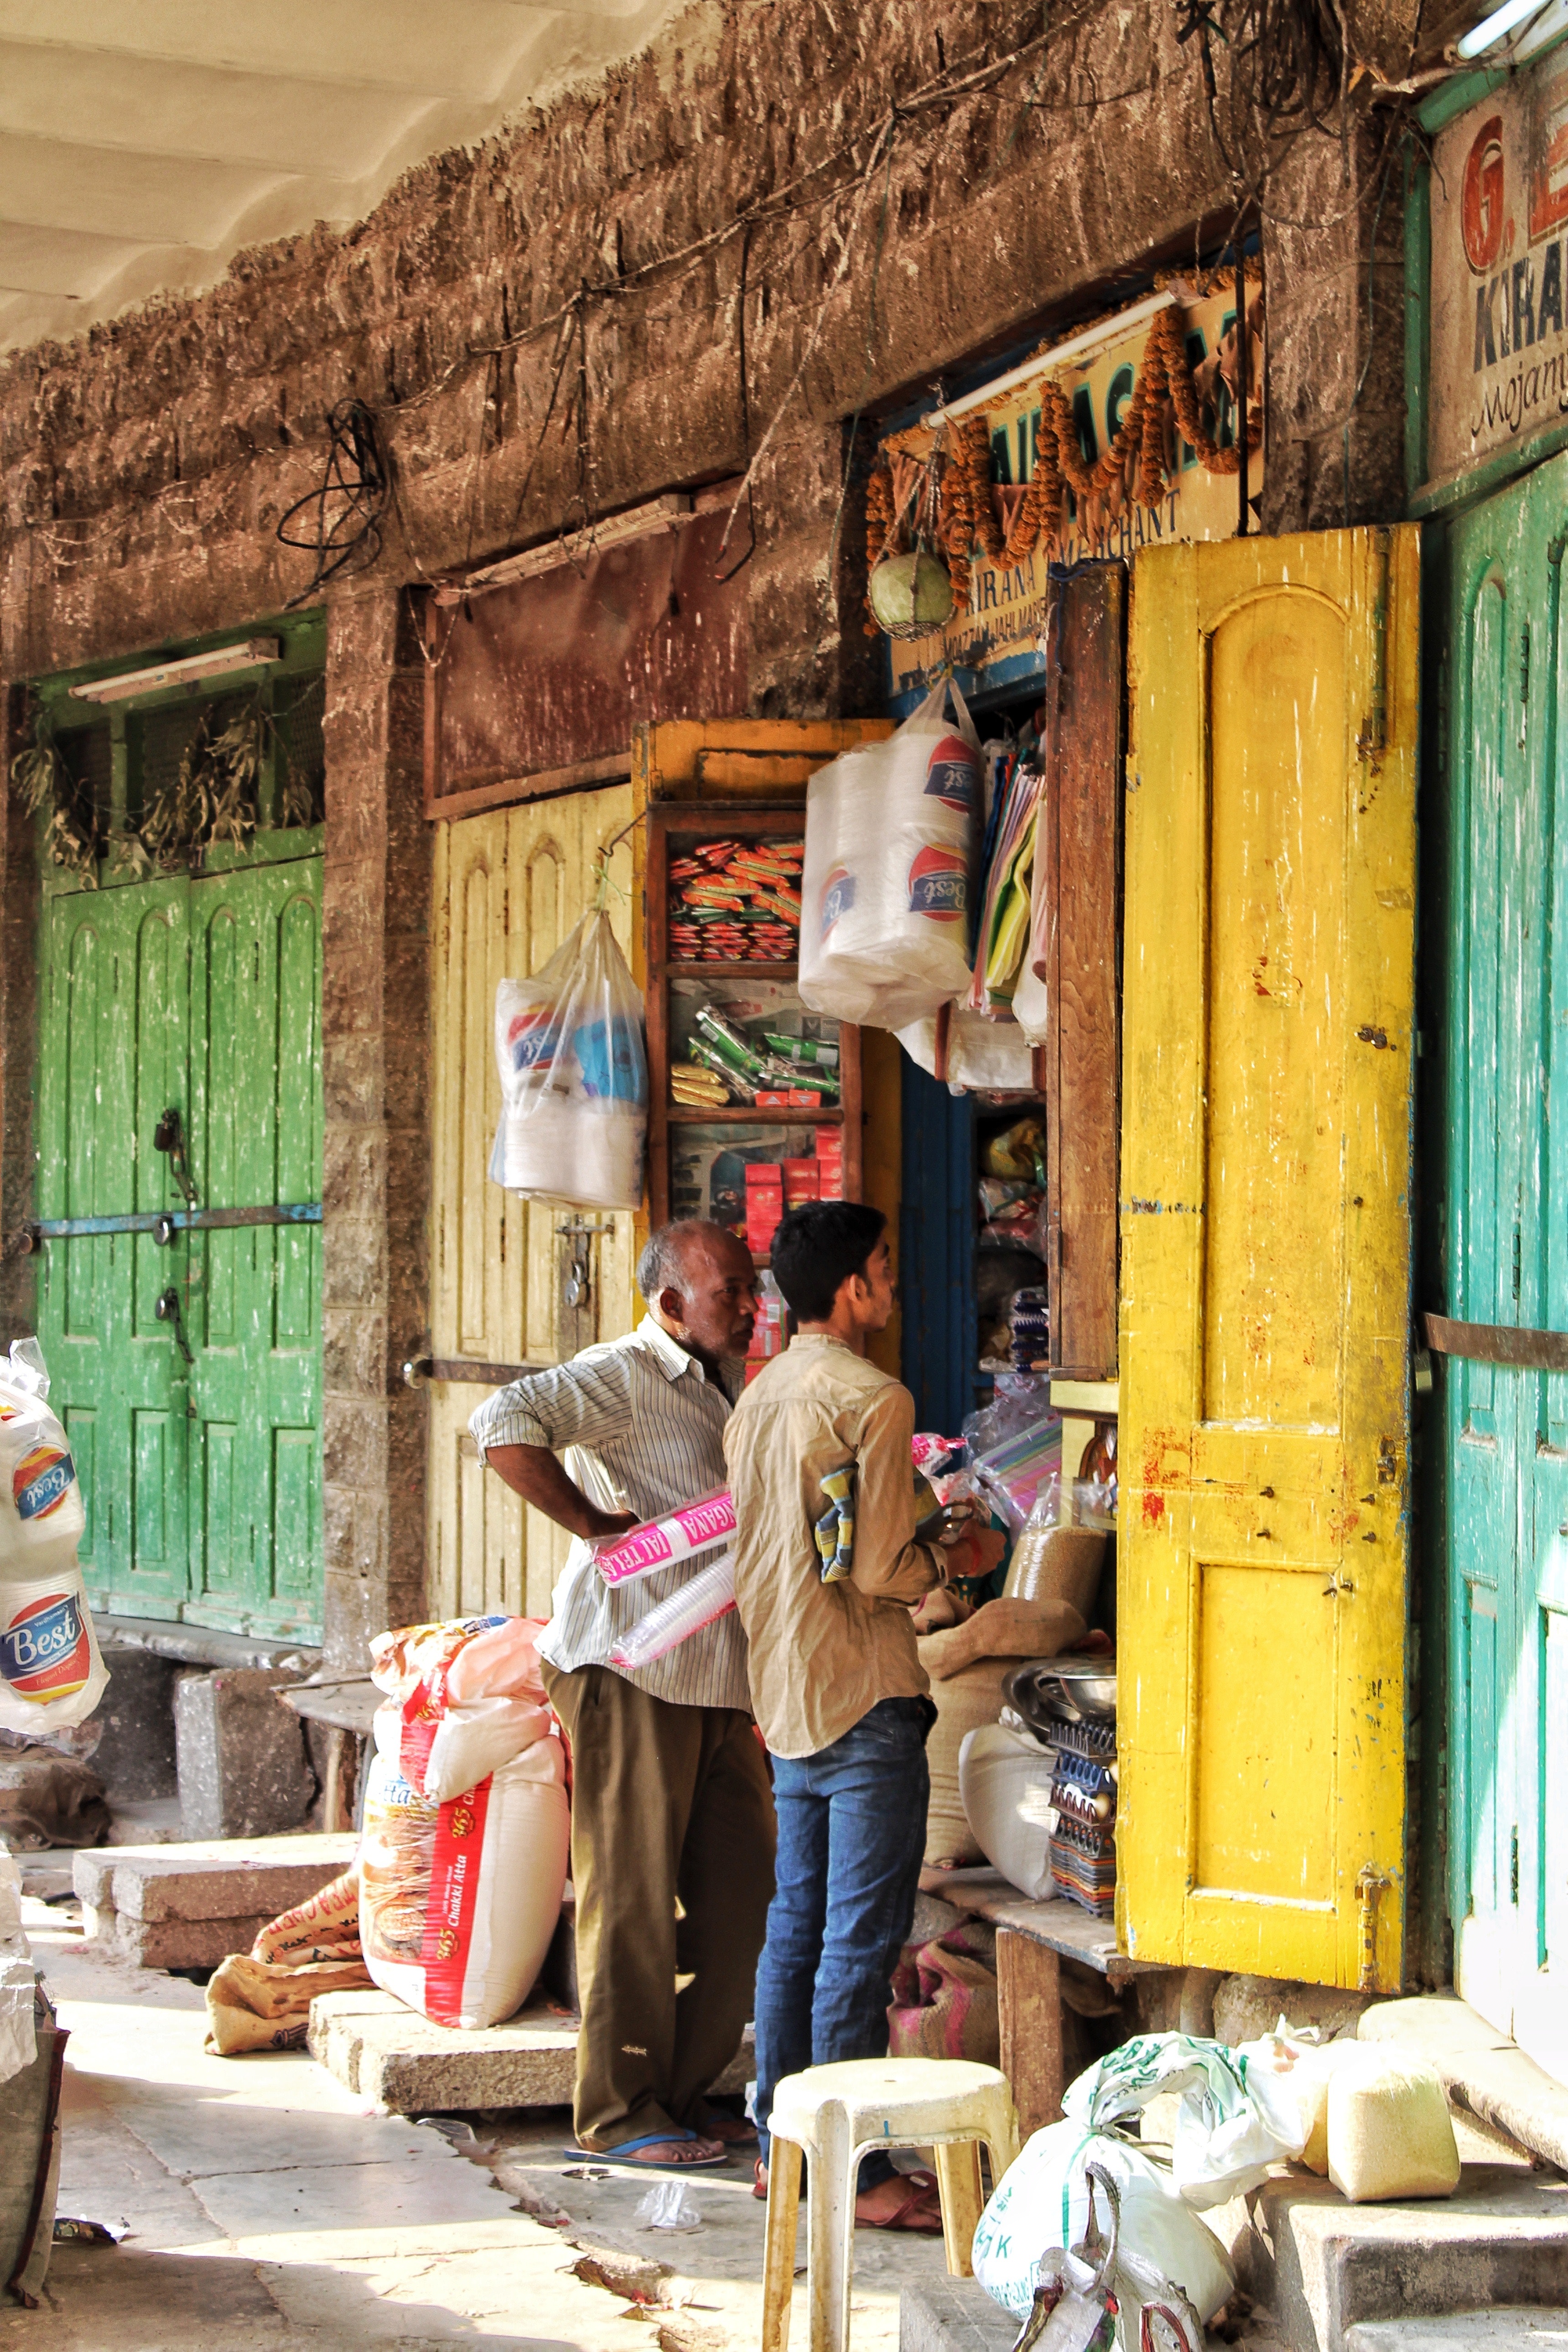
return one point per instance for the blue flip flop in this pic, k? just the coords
(624, 2155)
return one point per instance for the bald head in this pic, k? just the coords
(700, 1286)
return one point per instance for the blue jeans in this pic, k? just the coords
(852, 1826)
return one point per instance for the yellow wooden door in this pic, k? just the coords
(1269, 980)
(509, 887)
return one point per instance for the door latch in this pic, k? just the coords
(1368, 1887)
(167, 1310)
(169, 1135)
(577, 1271)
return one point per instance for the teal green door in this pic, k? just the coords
(1506, 1259)
(197, 1435)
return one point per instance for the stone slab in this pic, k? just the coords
(953, 2315)
(171, 1943)
(241, 1757)
(134, 1757)
(1464, 2331)
(211, 1878)
(1481, 2070)
(1324, 2265)
(199, 1645)
(390, 2057)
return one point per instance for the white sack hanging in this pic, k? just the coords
(573, 1077)
(891, 836)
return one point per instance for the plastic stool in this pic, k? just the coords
(834, 2115)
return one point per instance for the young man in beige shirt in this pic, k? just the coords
(838, 1687)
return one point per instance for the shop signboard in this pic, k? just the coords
(1499, 349)
(1000, 638)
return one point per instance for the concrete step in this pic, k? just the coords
(1466, 2331)
(186, 1907)
(953, 2315)
(1324, 2267)
(393, 2058)
(1483, 2073)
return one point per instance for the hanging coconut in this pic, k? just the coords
(911, 595)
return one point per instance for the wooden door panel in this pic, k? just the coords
(1267, 976)
(509, 887)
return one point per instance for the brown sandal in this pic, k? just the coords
(920, 2211)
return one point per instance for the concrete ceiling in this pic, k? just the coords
(144, 143)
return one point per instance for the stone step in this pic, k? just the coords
(1324, 2267)
(953, 2315)
(390, 2057)
(1520, 2324)
(188, 1906)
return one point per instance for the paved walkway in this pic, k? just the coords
(266, 2208)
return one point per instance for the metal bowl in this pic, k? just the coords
(1084, 1687)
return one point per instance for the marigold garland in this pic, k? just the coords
(1135, 465)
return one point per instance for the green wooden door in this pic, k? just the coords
(1506, 1259)
(202, 1477)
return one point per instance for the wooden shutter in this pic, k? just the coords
(1266, 1248)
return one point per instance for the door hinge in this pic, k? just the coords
(1368, 1887)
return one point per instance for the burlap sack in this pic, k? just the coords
(944, 1998)
(265, 2005)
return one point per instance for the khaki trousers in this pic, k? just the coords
(668, 1803)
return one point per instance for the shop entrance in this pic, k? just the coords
(1506, 1424)
(179, 1191)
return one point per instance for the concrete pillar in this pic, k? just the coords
(376, 1057)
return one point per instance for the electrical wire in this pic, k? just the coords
(346, 505)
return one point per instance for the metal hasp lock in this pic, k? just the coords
(169, 1135)
(576, 1274)
(167, 1310)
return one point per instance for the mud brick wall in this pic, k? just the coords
(143, 467)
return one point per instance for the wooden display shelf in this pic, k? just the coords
(748, 1115)
(692, 820)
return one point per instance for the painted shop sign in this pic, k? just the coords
(1499, 355)
(1000, 636)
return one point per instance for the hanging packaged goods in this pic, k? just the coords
(569, 1047)
(1115, 440)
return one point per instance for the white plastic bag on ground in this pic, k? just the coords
(1004, 1787)
(51, 1674)
(1232, 2122)
(1042, 2201)
(573, 1077)
(891, 839)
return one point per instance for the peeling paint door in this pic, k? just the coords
(508, 1276)
(1505, 1264)
(196, 1432)
(1268, 989)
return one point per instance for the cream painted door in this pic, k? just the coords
(509, 887)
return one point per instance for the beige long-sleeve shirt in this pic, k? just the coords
(822, 1655)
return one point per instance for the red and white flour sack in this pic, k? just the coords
(462, 1870)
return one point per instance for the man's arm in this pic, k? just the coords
(521, 1427)
(889, 1564)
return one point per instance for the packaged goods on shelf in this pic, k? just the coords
(890, 841)
(736, 902)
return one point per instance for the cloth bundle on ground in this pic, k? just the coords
(968, 1664)
(462, 1859)
(49, 1799)
(261, 1999)
(944, 1997)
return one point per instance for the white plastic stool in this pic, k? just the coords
(835, 2114)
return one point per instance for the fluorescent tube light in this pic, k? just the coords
(670, 512)
(1498, 26)
(256, 653)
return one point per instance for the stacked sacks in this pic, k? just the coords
(462, 1859)
(968, 1666)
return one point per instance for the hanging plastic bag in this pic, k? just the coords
(51, 1674)
(573, 1077)
(1233, 2121)
(981, 1053)
(891, 836)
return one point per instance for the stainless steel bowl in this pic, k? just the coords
(1084, 1687)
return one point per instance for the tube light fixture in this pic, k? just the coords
(1498, 26)
(255, 653)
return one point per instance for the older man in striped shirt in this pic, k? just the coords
(671, 1807)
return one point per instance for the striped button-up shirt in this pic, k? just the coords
(641, 1428)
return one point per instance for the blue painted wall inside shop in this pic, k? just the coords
(936, 1252)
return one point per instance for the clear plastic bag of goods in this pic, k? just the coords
(573, 1077)
(1232, 2121)
(459, 1901)
(984, 1053)
(469, 1697)
(51, 1674)
(1054, 1559)
(1004, 1787)
(891, 839)
(704, 1598)
(1302, 2066)
(1043, 2200)
(1389, 2130)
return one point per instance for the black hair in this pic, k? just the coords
(817, 1246)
